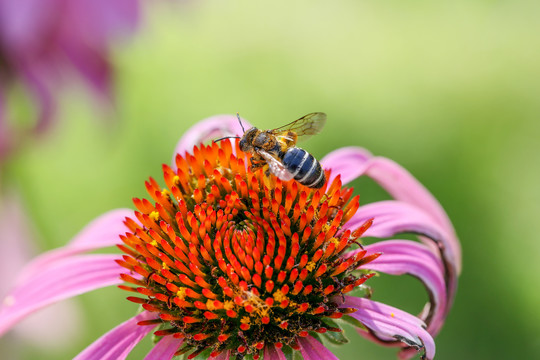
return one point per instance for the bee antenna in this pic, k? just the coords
(240, 121)
(226, 137)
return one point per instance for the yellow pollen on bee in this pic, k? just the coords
(279, 296)
(181, 293)
(154, 215)
(228, 305)
(245, 320)
(210, 305)
(310, 266)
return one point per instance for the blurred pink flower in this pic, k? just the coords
(42, 40)
(16, 250)
(228, 266)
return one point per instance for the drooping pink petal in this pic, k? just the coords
(394, 217)
(17, 241)
(118, 343)
(273, 353)
(209, 129)
(408, 257)
(102, 232)
(165, 348)
(387, 323)
(352, 162)
(312, 349)
(349, 162)
(94, 66)
(16, 249)
(65, 278)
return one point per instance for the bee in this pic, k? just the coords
(276, 150)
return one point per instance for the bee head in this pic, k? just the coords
(247, 139)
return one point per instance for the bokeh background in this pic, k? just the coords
(448, 89)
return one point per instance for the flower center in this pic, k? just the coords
(230, 264)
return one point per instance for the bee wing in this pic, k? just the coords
(304, 127)
(276, 167)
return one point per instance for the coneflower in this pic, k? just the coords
(225, 266)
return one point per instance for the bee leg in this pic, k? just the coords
(255, 164)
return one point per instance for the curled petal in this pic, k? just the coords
(100, 233)
(349, 162)
(273, 353)
(394, 217)
(164, 349)
(210, 129)
(66, 278)
(409, 257)
(352, 162)
(311, 349)
(117, 343)
(387, 323)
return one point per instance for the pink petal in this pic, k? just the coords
(312, 349)
(353, 162)
(93, 65)
(102, 232)
(16, 248)
(117, 343)
(273, 353)
(66, 278)
(349, 162)
(408, 257)
(165, 348)
(387, 322)
(394, 217)
(209, 129)
(17, 242)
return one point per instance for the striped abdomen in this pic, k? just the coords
(305, 168)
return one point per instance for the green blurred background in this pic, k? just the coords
(450, 90)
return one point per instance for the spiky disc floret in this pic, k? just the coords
(229, 264)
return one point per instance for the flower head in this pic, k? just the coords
(231, 265)
(223, 264)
